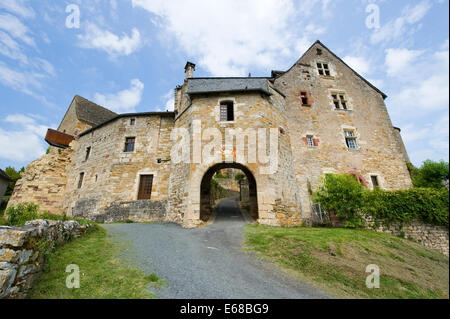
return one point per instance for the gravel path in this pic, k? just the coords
(207, 262)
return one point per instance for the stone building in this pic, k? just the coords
(318, 117)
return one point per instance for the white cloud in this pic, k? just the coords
(395, 29)
(10, 48)
(18, 7)
(400, 60)
(15, 28)
(25, 143)
(169, 99)
(114, 45)
(123, 101)
(227, 40)
(359, 64)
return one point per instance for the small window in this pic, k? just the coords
(132, 122)
(304, 98)
(350, 140)
(226, 112)
(323, 69)
(310, 140)
(80, 180)
(339, 101)
(145, 187)
(88, 153)
(96, 178)
(375, 182)
(129, 144)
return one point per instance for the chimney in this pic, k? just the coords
(189, 70)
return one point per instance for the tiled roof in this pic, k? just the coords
(90, 112)
(217, 85)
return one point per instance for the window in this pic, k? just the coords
(145, 187)
(323, 68)
(350, 139)
(129, 144)
(375, 182)
(339, 101)
(80, 180)
(310, 140)
(226, 112)
(304, 98)
(132, 122)
(88, 152)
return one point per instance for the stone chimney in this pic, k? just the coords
(189, 70)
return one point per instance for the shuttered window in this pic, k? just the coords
(145, 187)
(226, 112)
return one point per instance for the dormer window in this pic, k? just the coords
(323, 68)
(226, 111)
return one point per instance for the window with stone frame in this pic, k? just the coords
(304, 98)
(129, 144)
(132, 122)
(226, 111)
(145, 187)
(310, 141)
(339, 101)
(375, 181)
(323, 68)
(350, 139)
(80, 180)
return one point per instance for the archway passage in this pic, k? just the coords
(247, 196)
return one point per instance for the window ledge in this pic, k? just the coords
(327, 77)
(354, 150)
(343, 110)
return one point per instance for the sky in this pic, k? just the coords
(128, 55)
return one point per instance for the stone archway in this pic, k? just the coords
(207, 201)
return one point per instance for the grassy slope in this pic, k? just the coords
(336, 259)
(101, 273)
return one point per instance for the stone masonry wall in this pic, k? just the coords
(44, 182)
(431, 236)
(380, 150)
(112, 175)
(22, 251)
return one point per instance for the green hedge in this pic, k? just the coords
(351, 203)
(403, 206)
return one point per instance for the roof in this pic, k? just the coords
(167, 114)
(90, 112)
(217, 85)
(3, 175)
(278, 73)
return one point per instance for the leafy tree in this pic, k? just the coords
(15, 176)
(240, 177)
(430, 175)
(343, 195)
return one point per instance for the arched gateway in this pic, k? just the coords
(207, 201)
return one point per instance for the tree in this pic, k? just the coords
(430, 175)
(15, 176)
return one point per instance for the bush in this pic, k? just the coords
(343, 195)
(351, 202)
(402, 206)
(22, 213)
(17, 216)
(430, 174)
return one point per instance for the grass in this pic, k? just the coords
(102, 275)
(336, 260)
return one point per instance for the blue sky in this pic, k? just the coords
(128, 55)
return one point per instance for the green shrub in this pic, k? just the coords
(351, 202)
(17, 216)
(431, 174)
(402, 206)
(343, 195)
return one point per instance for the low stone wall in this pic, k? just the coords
(23, 250)
(140, 211)
(431, 236)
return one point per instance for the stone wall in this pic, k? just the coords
(431, 236)
(44, 182)
(141, 211)
(22, 252)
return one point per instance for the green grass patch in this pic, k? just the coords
(335, 259)
(102, 274)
